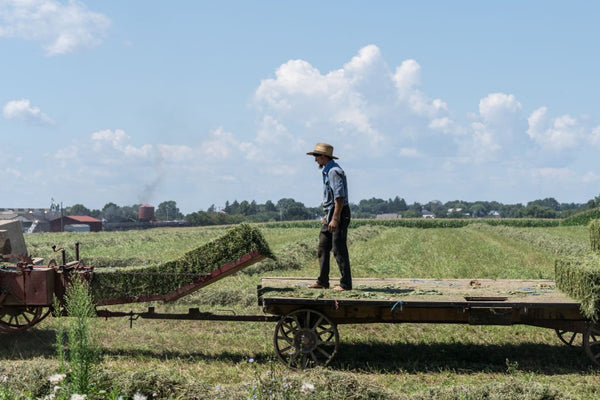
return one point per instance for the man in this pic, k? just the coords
(334, 228)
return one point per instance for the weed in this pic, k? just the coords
(80, 309)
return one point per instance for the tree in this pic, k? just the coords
(290, 210)
(398, 205)
(130, 213)
(168, 211)
(112, 212)
(78, 209)
(549, 202)
(202, 218)
(437, 208)
(479, 210)
(537, 211)
(269, 206)
(246, 208)
(414, 211)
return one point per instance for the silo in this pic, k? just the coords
(146, 213)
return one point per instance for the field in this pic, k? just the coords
(208, 359)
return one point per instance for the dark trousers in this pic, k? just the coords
(336, 241)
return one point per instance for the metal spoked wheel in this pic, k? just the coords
(570, 338)
(305, 339)
(591, 342)
(19, 318)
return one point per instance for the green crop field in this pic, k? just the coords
(222, 360)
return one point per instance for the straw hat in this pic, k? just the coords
(323, 149)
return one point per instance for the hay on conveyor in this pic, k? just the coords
(133, 283)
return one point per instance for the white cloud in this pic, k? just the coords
(60, 27)
(555, 175)
(595, 136)
(10, 173)
(175, 153)
(499, 109)
(407, 79)
(363, 106)
(107, 140)
(446, 126)
(22, 110)
(222, 146)
(495, 129)
(272, 141)
(590, 177)
(557, 134)
(409, 152)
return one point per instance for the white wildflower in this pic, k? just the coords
(76, 396)
(307, 388)
(139, 396)
(56, 378)
(3, 378)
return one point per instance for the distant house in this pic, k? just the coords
(427, 214)
(388, 216)
(494, 214)
(59, 224)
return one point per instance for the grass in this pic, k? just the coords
(210, 359)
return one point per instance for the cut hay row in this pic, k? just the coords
(161, 279)
(579, 276)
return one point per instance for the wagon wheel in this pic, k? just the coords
(591, 342)
(20, 318)
(305, 339)
(569, 338)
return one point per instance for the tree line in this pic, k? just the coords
(287, 209)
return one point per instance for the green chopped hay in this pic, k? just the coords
(594, 226)
(164, 278)
(579, 277)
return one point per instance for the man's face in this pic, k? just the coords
(321, 160)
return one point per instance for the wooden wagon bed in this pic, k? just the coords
(473, 301)
(307, 332)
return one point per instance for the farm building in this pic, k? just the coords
(59, 224)
(427, 214)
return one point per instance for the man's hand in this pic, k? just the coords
(337, 211)
(333, 225)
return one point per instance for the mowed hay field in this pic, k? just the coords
(210, 359)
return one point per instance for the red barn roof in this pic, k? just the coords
(80, 218)
(84, 218)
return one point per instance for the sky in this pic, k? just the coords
(203, 102)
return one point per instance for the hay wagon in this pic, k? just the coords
(306, 333)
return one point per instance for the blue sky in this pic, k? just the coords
(201, 102)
